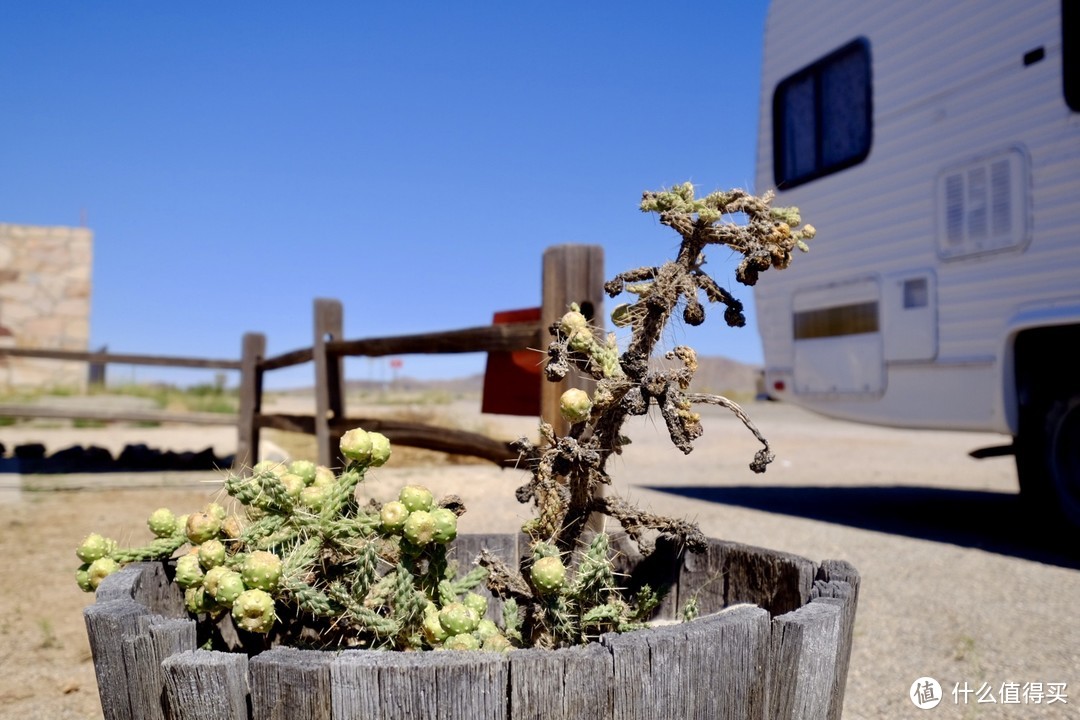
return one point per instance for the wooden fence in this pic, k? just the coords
(570, 273)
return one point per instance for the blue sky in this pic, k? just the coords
(237, 160)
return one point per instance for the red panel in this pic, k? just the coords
(512, 379)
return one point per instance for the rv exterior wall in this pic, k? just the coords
(960, 222)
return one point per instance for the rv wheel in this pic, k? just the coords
(1049, 463)
(1063, 424)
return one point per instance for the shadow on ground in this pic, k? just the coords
(32, 459)
(992, 521)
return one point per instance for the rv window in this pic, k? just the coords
(822, 116)
(1070, 26)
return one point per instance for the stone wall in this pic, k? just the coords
(44, 303)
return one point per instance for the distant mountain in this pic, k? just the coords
(726, 376)
(715, 375)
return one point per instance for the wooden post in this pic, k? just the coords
(251, 376)
(329, 379)
(572, 274)
(95, 379)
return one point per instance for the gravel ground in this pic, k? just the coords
(956, 585)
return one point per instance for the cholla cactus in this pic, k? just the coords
(563, 594)
(283, 564)
(299, 553)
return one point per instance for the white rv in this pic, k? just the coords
(936, 148)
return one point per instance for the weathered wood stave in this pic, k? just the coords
(773, 641)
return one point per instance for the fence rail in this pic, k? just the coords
(121, 359)
(571, 273)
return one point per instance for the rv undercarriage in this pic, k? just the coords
(1048, 443)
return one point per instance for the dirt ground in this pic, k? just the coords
(956, 584)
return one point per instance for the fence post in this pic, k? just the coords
(572, 273)
(329, 379)
(95, 371)
(251, 377)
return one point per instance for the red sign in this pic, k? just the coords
(512, 379)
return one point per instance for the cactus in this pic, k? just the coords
(419, 528)
(94, 547)
(393, 516)
(253, 610)
(414, 498)
(99, 570)
(212, 554)
(445, 525)
(575, 405)
(548, 574)
(297, 555)
(262, 570)
(457, 618)
(356, 445)
(162, 522)
(380, 449)
(202, 526)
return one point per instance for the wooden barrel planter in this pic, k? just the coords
(773, 641)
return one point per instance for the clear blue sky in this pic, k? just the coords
(237, 160)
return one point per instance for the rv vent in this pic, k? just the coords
(982, 205)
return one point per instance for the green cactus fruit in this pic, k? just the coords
(485, 629)
(94, 547)
(294, 485)
(445, 525)
(229, 586)
(189, 572)
(496, 643)
(355, 445)
(304, 469)
(548, 574)
(433, 630)
(212, 577)
(573, 323)
(202, 526)
(416, 497)
(393, 516)
(261, 570)
(216, 510)
(314, 496)
(478, 603)
(380, 449)
(197, 600)
(582, 342)
(461, 642)
(575, 405)
(272, 467)
(253, 610)
(82, 576)
(324, 476)
(419, 528)
(211, 554)
(457, 618)
(162, 522)
(100, 569)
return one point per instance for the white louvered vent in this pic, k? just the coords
(982, 205)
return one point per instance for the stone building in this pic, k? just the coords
(44, 303)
